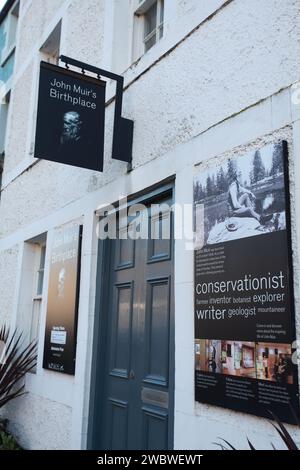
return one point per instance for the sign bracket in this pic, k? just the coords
(123, 127)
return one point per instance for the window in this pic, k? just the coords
(38, 291)
(40, 255)
(3, 124)
(1, 169)
(50, 48)
(49, 52)
(153, 24)
(149, 25)
(9, 33)
(30, 297)
(3, 120)
(40, 273)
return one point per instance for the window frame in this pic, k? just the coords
(37, 296)
(40, 272)
(12, 20)
(140, 39)
(50, 49)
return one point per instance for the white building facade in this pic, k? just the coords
(202, 79)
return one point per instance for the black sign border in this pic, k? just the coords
(76, 313)
(79, 76)
(72, 73)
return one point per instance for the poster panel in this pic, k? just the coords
(62, 306)
(244, 302)
(70, 118)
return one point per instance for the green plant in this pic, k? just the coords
(280, 428)
(17, 360)
(8, 442)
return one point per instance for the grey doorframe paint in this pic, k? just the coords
(164, 188)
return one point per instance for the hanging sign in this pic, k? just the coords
(62, 306)
(70, 118)
(244, 305)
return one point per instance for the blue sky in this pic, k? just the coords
(2, 3)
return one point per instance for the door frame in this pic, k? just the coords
(99, 348)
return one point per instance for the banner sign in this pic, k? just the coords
(63, 293)
(244, 303)
(70, 118)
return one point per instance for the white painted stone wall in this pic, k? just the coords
(45, 424)
(224, 88)
(36, 15)
(8, 276)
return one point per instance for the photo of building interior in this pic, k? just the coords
(200, 354)
(274, 362)
(208, 355)
(238, 358)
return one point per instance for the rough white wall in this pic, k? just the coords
(84, 30)
(248, 51)
(19, 119)
(37, 15)
(184, 6)
(41, 189)
(8, 276)
(40, 424)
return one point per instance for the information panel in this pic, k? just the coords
(244, 303)
(62, 305)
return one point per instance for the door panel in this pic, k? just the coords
(120, 355)
(119, 424)
(124, 254)
(157, 331)
(155, 431)
(135, 404)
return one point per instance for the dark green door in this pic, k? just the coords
(134, 406)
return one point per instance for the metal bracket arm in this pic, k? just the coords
(123, 128)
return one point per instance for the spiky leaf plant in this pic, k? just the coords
(17, 360)
(280, 428)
